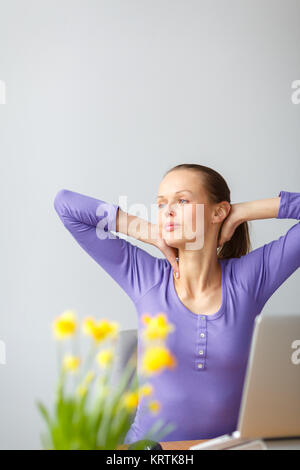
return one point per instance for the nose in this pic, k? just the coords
(169, 210)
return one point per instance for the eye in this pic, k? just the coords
(161, 204)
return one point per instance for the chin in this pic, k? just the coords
(179, 243)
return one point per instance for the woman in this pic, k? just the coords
(221, 287)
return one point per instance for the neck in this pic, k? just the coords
(200, 270)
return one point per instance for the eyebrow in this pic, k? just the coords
(181, 191)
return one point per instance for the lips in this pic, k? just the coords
(170, 226)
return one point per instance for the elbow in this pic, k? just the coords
(59, 200)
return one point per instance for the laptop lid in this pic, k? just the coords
(270, 405)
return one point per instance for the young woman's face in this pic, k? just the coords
(178, 195)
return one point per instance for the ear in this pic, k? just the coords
(221, 211)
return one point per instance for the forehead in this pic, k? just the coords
(179, 181)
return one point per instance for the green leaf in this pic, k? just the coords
(44, 413)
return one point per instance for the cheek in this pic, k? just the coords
(188, 216)
(160, 223)
(159, 219)
(193, 218)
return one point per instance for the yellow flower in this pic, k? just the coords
(157, 358)
(89, 377)
(83, 387)
(100, 330)
(65, 325)
(145, 390)
(130, 400)
(154, 406)
(82, 390)
(105, 357)
(157, 326)
(71, 363)
(88, 324)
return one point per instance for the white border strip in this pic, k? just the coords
(2, 92)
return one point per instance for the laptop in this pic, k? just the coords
(270, 405)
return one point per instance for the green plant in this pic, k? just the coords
(89, 414)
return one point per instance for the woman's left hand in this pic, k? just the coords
(230, 223)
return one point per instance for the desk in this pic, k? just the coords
(171, 445)
(180, 445)
(272, 444)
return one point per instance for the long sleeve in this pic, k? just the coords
(262, 271)
(90, 221)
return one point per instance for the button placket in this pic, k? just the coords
(201, 343)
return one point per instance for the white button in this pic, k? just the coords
(202, 335)
(201, 351)
(200, 366)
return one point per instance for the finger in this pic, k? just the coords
(171, 257)
(220, 243)
(175, 267)
(177, 272)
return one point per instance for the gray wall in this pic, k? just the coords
(102, 98)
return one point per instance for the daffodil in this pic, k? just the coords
(88, 325)
(71, 363)
(130, 400)
(145, 390)
(105, 357)
(65, 325)
(100, 330)
(82, 390)
(83, 387)
(154, 406)
(89, 377)
(156, 358)
(157, 327)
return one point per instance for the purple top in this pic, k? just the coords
(202, 395)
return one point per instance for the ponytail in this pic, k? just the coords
(239, 244)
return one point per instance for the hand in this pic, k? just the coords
(230, 223)
(170, 253)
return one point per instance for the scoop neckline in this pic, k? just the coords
(213, 316)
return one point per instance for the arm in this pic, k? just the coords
(147, 232)
(262, 271)
(90, 221)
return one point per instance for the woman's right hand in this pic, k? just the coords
(147, 233)
(170, 253)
